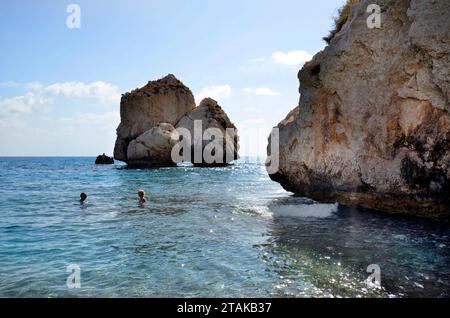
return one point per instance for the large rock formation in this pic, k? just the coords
(373, 125)
(212, 133)
(146, 134)
(153, 148)
(163, 101)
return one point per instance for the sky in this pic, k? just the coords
(60, 87)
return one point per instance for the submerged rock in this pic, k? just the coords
(104, 160)
(214, 124)
(373, 125)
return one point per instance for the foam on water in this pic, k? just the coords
(226, 232)
(315, 210)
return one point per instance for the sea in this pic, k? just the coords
(204, 232)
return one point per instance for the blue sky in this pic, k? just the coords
(60, 88)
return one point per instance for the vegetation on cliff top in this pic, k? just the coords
(340, 20)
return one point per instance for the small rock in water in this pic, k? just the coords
(104, 160)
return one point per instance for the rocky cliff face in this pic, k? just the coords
(373, 124)
(151, 117)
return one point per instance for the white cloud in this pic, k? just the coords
(39, 96)
(9, 84)
(261, 91)
(102, 91)
(24, 103)
(216, 92)
(27, 119)
(109, 119)
(292, 58)
(257, 60)
(34, 86)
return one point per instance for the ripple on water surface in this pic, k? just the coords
(205, 232)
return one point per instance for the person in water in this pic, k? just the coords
(141, 195)
(83, 197)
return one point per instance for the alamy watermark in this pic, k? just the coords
(74, 19)
(374, 19)
(217, 146)
(374, 279)
(74, 278)
(208, 146)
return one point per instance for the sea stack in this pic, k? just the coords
(373, 126)
(164, 101)
(212, 117)
(151, 117)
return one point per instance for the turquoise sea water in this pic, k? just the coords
(205, 232)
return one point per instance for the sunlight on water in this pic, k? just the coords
(204, 233)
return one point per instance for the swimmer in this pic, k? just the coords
(142, 198)
(83, 197)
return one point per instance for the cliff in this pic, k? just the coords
(372, 127)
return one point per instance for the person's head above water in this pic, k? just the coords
(141, 194)
(83, 197)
